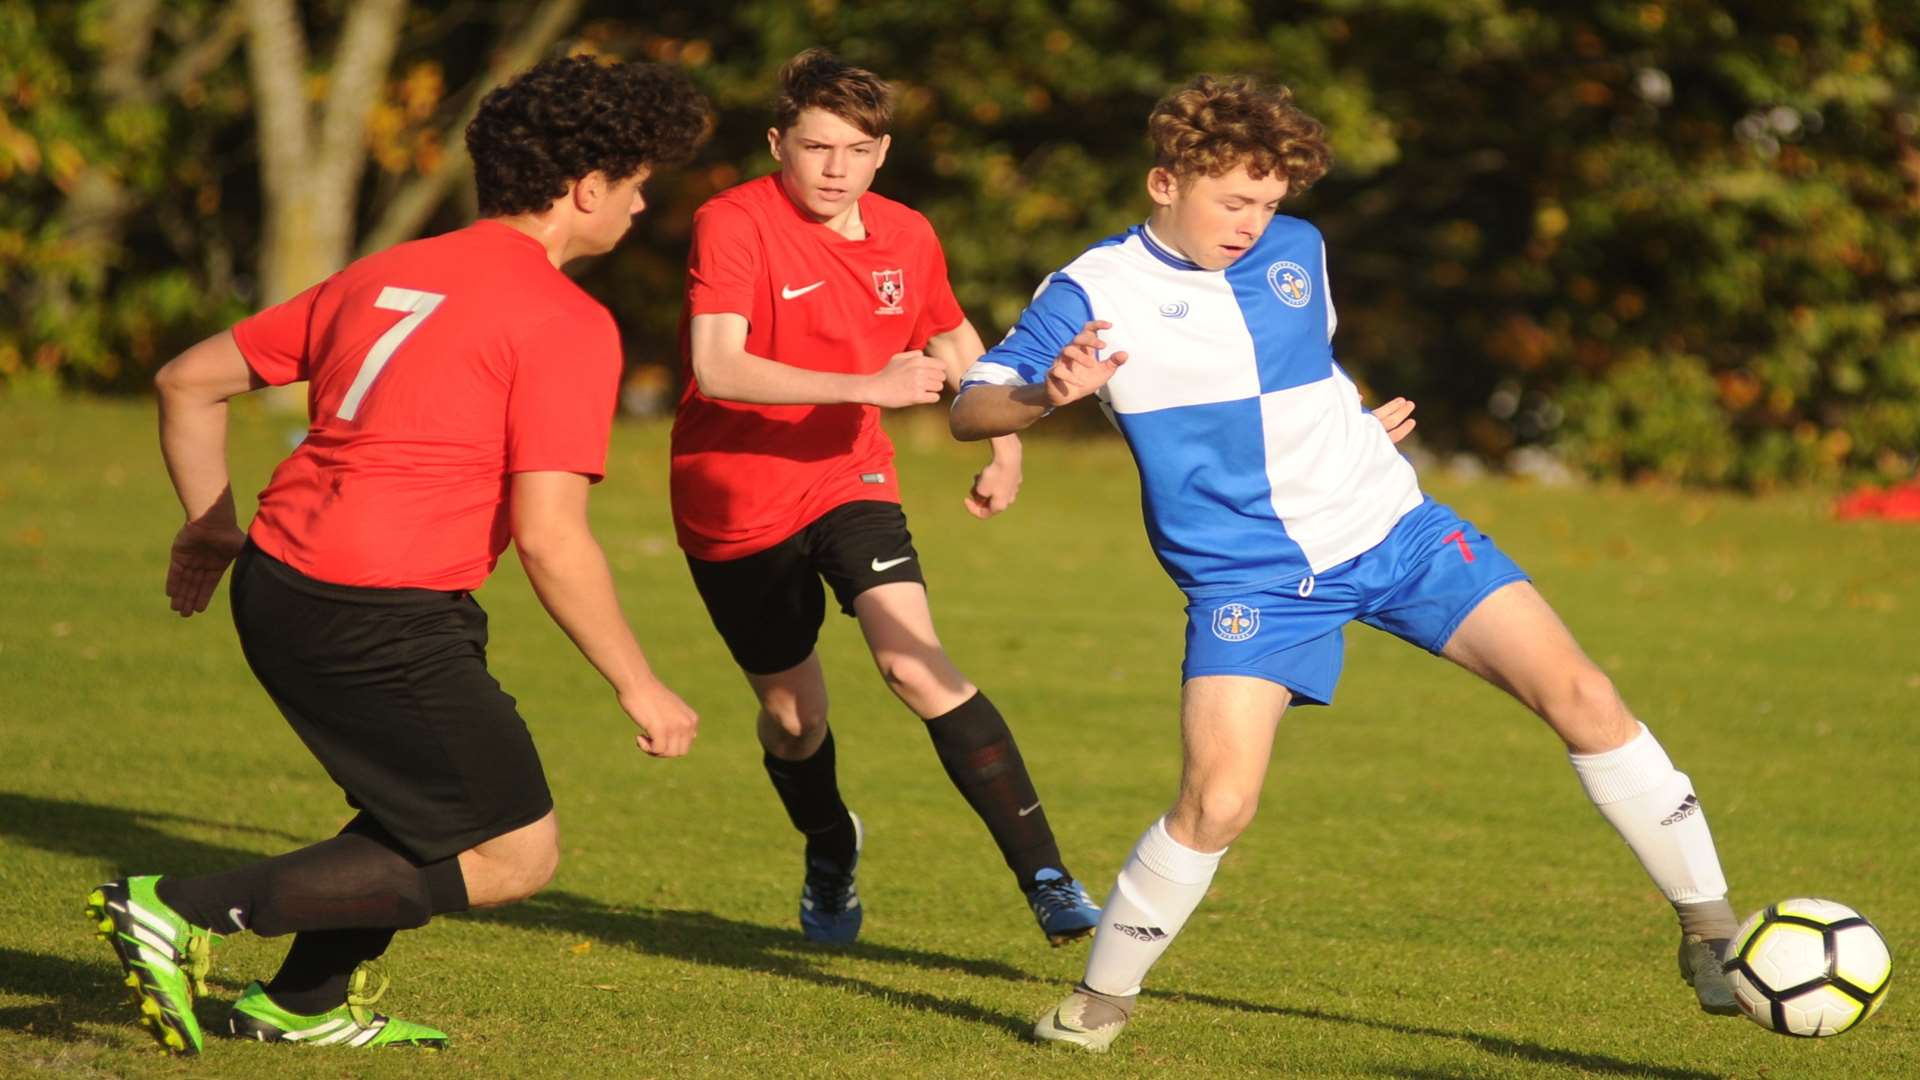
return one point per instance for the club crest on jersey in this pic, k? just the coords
(1290, 283)
(1235, 622)
(891, 285)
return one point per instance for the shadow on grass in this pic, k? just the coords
(700, 937)
(133, 841)
(1584, 1063)
(80, 993)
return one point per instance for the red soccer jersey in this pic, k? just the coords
(746, 477)
(437, 368)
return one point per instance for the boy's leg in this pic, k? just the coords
(977, 750)
(1514, 640)
(1227, 724)
(768, 608)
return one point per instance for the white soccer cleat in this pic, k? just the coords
(1082, 1020)
(1702, 965)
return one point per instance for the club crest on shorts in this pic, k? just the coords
(891, 285)
(1235, 622)
(1290, 283)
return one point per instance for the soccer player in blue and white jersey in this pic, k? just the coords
(1283, 511)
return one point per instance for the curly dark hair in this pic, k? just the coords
(1211, 125)
(562, 119)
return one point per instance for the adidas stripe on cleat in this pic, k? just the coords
(354, 1024)
(165, 959)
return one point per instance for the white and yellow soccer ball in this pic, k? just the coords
(1809, 968)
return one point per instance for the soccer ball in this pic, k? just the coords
(1809, 968)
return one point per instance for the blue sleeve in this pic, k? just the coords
(1058, 312)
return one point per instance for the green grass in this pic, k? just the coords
(1426, 895)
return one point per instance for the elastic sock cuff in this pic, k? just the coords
(1624, 772)
(970, 725)
(446, 886)
(1159, 852)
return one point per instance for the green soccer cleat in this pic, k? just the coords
(255, 1016)
(165, 957)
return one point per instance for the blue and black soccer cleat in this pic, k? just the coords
(829, 904)
(1065, 911)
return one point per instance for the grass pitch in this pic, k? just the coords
(1426, 895)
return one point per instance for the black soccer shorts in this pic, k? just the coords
(768, 606)
(389, 689)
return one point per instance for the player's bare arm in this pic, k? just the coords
(726, 371)
(990, 411)
(998, 484)
(193, 390)
(570, 575)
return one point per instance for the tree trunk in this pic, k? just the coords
(310, 165)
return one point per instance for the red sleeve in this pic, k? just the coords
(724, 263)
(274, 341)
(942, 311)
(566, 380)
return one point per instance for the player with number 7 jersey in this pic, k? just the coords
(460, 391)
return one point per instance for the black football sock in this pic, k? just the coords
(360, 878)
(810, 790)
(980, 757)
(313, 978)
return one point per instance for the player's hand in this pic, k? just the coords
(202, 551)
(994, 488)
(1079, 370)
(910, 378)
(1397, 417)
(667, 724)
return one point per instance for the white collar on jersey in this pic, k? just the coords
(1159, 249)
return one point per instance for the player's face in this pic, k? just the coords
(610, 214)
(1214, 220)
(826, 163)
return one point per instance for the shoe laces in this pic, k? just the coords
(829, 885)
(365, 987)
(1057, 895)
(197, 952)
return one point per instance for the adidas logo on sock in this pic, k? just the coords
(1144, 933)
(1687, 808)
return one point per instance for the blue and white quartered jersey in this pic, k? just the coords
(1257, 462)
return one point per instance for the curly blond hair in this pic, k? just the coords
(1211, 125)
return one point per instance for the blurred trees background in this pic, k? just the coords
(1677, 239)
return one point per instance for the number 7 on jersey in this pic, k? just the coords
(418, 305)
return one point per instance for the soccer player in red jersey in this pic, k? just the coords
(460, 392)
(812, 304)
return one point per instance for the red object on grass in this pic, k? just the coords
(1900, 503)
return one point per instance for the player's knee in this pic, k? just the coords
(909, 676)
(1224, 812)
(530, 871)
(791, 722)
(1587, 711)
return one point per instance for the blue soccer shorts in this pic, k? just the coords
(1417, 584)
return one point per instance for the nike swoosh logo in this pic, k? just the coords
(1029, 809)
(787, 292)
(880, 567)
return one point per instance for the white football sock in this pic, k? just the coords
(1157, 889)
(1653, 807)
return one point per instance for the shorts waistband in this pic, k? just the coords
(346, 594)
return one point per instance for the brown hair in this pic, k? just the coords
(1211, 125)
(817, 79)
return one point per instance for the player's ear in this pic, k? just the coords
(773, 143)
(880, 152)
(1162, 185)
(589, 191)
